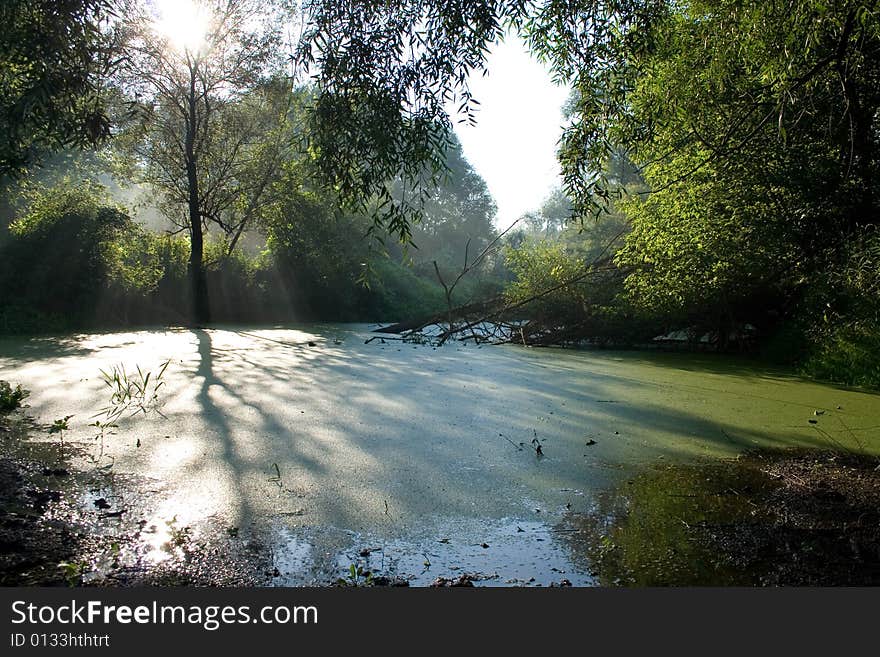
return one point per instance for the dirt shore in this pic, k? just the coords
(767, 518)
(65, 522)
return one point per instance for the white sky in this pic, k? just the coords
(513, 146)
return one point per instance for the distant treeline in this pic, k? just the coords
(72, 257)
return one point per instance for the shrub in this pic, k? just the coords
(62, 252)
(849, 355)
(11, 398)
(846, 316)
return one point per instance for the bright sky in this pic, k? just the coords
(185, 24)
(513, 146)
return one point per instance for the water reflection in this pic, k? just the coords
(767, 518)
(313, 423)
(508, 552)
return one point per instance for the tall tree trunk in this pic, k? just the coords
(200, 304)
(200, 307)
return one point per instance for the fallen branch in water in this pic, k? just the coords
(498, 320)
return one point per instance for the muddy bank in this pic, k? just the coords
(767, 518)
(31, 546)
(67, 519)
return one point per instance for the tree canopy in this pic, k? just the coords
(730, 148)
(212, 129)
(54, 59)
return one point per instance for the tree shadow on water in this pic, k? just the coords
(237, 437)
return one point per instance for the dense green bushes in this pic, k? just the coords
(11, 398)
(70, 250)
(74, 259)
(845, 316)
(580, 305)
(848, 354)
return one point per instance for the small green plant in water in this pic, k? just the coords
(356, 576)
(59, 427)
(277, 479)
(11, 398)
(104, 429)
(179, 536)
(72, 572)
(132, 392)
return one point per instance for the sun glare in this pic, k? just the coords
(183, 22)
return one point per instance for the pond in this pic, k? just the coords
(408, 460)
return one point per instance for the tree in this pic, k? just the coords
(741, 82)
(212, 131)
(458, 215)
(555, 213)
(805, 59)
(383, 74)
(54, 57)
(760, 155)
(753, 125)
(713, 251)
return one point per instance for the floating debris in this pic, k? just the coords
(461, 580)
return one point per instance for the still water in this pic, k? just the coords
(408, 460)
